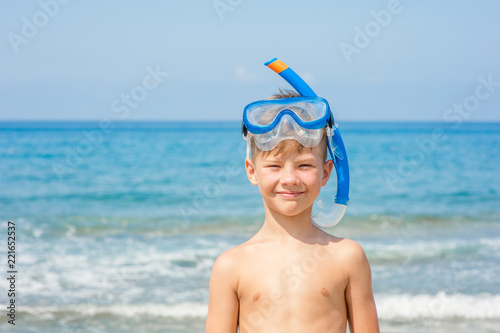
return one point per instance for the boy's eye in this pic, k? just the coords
(272, 166)
(305, 165)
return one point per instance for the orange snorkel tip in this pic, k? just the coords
(276, 65)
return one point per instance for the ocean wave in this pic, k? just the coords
(161, 225)
(441, 306)
(421, 250)
(181, 310)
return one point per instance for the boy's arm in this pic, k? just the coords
(361, 310)
(223, 304)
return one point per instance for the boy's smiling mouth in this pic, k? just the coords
(289, 194)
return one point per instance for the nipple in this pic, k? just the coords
(256, 297)
(324, 292)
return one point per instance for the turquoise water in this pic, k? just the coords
(118, 228)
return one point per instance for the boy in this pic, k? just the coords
(291, 276)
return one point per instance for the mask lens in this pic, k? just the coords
(288, 129)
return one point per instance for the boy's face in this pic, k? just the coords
(289, 183)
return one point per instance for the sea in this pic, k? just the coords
(117, 224)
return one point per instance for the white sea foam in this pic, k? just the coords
(390, 307)
(439, 306)
(181, 310)
(430, 249)
(491, 243)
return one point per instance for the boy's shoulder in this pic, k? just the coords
(228, 264)
(235, 255)
(347, 247)
(343, 250)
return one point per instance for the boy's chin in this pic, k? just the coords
(292, 211)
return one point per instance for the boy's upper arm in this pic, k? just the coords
(223, 302)
(362, 313)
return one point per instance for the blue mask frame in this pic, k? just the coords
(313, 124)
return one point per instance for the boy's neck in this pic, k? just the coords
(282, 227)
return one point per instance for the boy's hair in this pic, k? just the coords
(289, 145)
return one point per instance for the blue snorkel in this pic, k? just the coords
(326, 218)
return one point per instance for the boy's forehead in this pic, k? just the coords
(305, 152)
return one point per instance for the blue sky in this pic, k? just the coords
(427, 61)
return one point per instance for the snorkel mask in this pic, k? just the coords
(303, 119)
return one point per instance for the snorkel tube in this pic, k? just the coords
(325, 218)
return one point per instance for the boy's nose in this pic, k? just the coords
(289, 176)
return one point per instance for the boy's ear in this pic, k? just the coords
(327, 171)
(251, 171)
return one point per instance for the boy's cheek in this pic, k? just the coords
(269, 175)
(314, 176)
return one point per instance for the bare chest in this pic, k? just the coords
(293, 288)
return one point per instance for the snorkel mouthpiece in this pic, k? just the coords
(325, 218)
